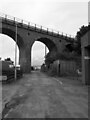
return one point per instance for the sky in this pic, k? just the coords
(61, 15)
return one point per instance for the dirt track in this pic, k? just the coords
(38, 96)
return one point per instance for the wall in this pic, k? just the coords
(85, 45)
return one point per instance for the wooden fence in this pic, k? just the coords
(66, 69)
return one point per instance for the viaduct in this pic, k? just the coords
(27, 33)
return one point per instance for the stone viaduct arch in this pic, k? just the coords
(26, 36)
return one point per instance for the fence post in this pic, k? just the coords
(74, 72)
(28, 24)
(59, 68)
(14, 20)
(62, 34)
(52, 32)
(5, 17)
(41, 28)
(35, 26)
(58, 33)
(47, 30)
(22, 21)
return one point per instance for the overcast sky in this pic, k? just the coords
(64, 16)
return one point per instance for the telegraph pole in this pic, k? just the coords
(45, 50)
(16, 53)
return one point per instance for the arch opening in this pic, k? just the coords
(7, 46)
(12, 34)
(39, 49)
(38, 54)
(49, 43)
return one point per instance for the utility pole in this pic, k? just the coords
(45, 50)
(16, 53)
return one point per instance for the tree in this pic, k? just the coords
(9, 59)
(50, 57)
(83, 30)
(72, 50)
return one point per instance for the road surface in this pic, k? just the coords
(37, 95)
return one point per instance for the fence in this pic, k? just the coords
(10, 75)
(65, 68)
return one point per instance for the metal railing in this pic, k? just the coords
(35, 26)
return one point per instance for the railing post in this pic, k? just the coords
(14, 19)
(35, 26)
(47, 30)
(5, 17)
(41, 28)
(52, 31)
(62, 34)
(28, 24)
(66, 35)
(22, 21)
(58, 33)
